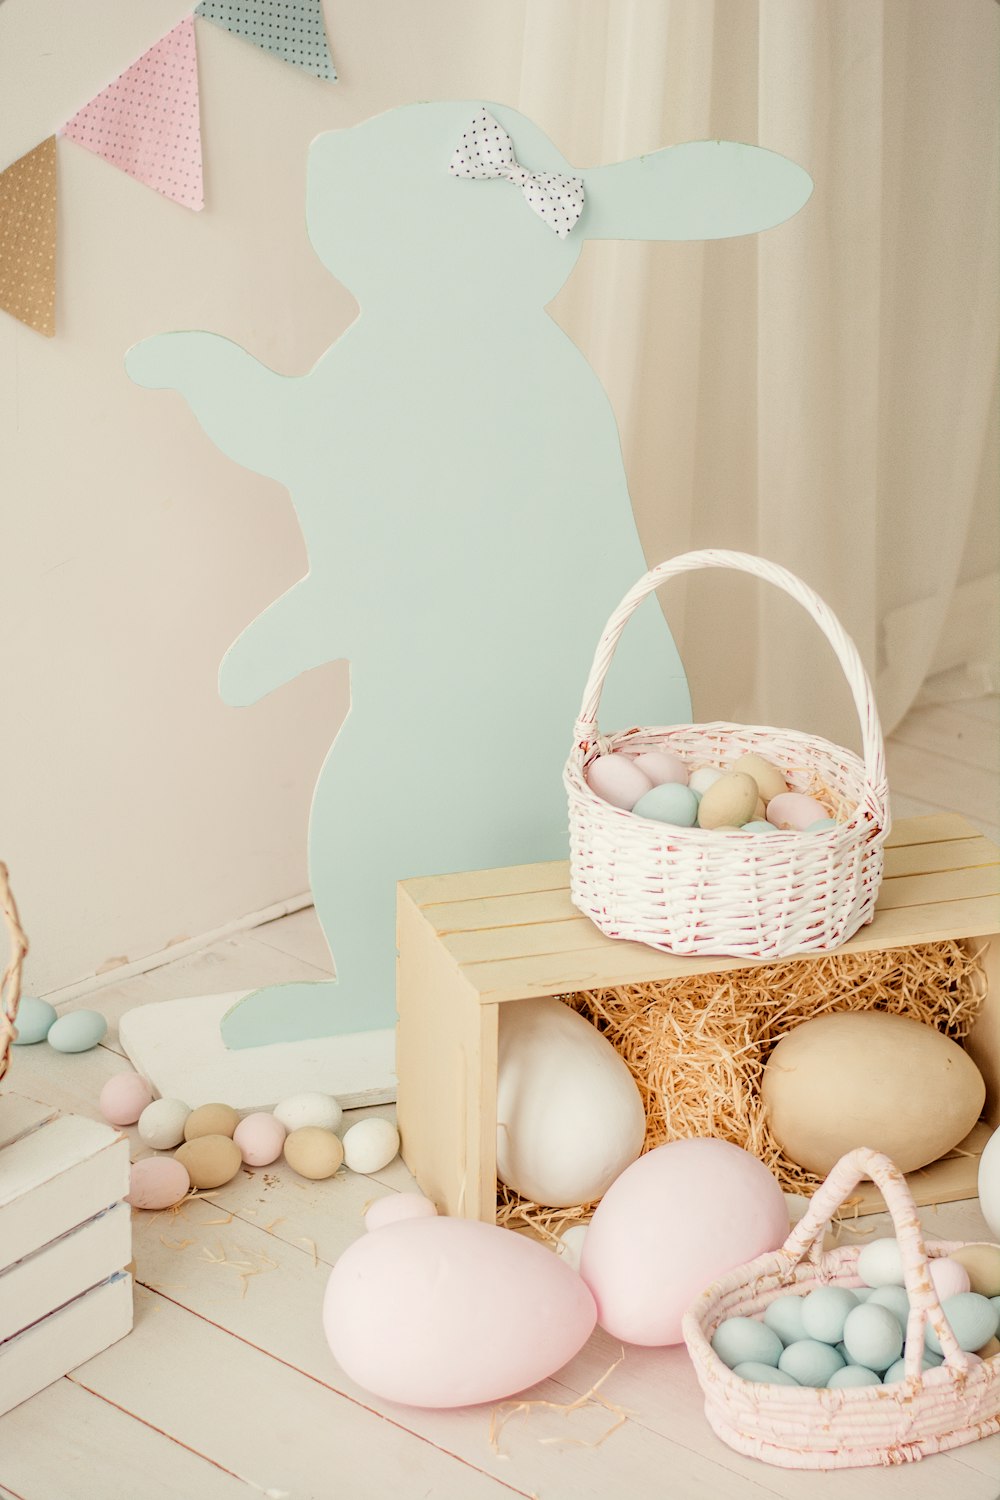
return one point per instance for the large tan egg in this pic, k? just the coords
(210, 1160)
(863, 1078)
(729, 802)
(314, 1152)
(768, 778)
(982, 1261)
(211, 1119)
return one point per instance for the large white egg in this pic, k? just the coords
(569, 1114)
(989, 1183)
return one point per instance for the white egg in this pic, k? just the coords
(703, 778)
(161, 1124)
(989, 1183)
(570, 1246)
(881, 1264)
(302, 1110)
(371, 1144)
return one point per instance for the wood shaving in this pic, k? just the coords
(175, 1245)
(208, 1223)
(502, 1414)
(269, 1228)
(311, 1246)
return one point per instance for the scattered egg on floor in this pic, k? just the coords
(261, 1139)
(77, 1031)
(161, 1124)
(371, 1144)
(314, 1152)
(123, 1098)
(211, 1160)
(320, 1110)
(211, 1119)
(34, 1019)
(157, 1182)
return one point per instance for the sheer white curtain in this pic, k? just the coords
(823, 394)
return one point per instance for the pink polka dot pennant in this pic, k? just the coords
(148, 123)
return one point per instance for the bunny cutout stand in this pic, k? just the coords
(456, 470)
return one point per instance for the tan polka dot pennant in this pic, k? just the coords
(28, 238)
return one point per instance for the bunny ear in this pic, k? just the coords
(702, 190)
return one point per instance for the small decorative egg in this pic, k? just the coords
(669, 803)
(211, 1160)
(759, 825)
(990, 1349)
(759, 812)
(794, 810)
(124, 1097)
(768, 778)
(661, 766)
(895, 1299)
(704, 777)
(841, 1349)
(371, 1144)
(570, 1246)
(973, 1321)
(982, 1265)
(949, 1277)
(161, 1124)
(211, 1119)
(729, 802)
(261, 1139)
(740, 1341)
(995, 1302)
(77, 1031)
(321, 1110)
(34, 1020)
(158, 1182)
(763, 1374)
(784, 1315)
(897, 1371)
(618, 780)
(394, 1208)
(863, 1293)
(824, 1312)
(809, 1362)
(853, 1375)
(314, 1152)
(822, 825)
(873, 1337)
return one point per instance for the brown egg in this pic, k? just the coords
(769, 779)
(729, 802)
(983, 1265)
(211, 1160)
(211, 1119)
(313, 1152)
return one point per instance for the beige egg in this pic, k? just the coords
(729, 802)
(313, 1152)
(769, 779)
(211, 1160)
(211, 1119)
(990, 1349)
(760, 811)
(863, 1078)
(983, 1265)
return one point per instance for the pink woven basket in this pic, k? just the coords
(928, 1411)
(721, 891)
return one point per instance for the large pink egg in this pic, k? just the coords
(452, 1312)
(395, 1207)
(662, 766)
(158, 1182)
(673, 1222)
(261, 1139)
(948, 1276)
(795, 810)
(618, 780)
(124, 1097)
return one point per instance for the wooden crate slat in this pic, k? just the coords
(502, 911)
(933, 829)
(490, 944)
(33, 1359)
(949, 854)
(939, 886)
(515, 880)
(65, 1269)
(55, 1178)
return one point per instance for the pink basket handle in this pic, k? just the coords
(873, 747)
(807, 1236)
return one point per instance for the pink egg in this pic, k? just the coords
(948, 1276)
(794, 810)
(261, 1139)
(618, 780)
(124, 1097)
(158, 1182)
(452, 1312)
(673, 1222)
(661, 766)
(394, 1208)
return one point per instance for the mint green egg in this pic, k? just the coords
(853, 1375)
(741, 1341)
(759, 825)
(809, 1362)
(822, 825)
(784, 1315)
(669, 803)
(898, 1370)
(973, 1321)
(824, 1312)
(34, 1017)
(763, 1374)
(872, 1336)
(895, 1299)
(77, 1031)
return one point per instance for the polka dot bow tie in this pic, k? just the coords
(486, 150)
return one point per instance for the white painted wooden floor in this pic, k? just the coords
(226, 1389)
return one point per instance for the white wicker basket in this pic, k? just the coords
(750, 895)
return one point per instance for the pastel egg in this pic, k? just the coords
(784, 1315)
(897, 1371)
(824, 1312)
(313, 1152)
(395, 1208)
(763, 1374)
(880, 1263)
(982, 1265)
(161, 1124)
(211, 1160)
(618, 780)
(729, 802)
(895, 1299)
(661, 766)
(822, 825)
(989, 1183)
(705, 776)
(810, 1362)
(157, 1182)
(124, 1097)
(794, 810)
(759, 825)
(371, 1144)
(669, 803)
(320, 1110)
(973, 1321)
(570, 1246)
(77, 1031)
(211, 1119)
(261, 1139)
(949, 1277)
(990, 1349)
(853, 1375)
(739, 1341)
(768, 778)
(34, 1019)
(872, 1336)
(446, 1312)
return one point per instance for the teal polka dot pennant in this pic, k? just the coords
(292, 29)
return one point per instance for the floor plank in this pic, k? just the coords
(940, 730)
(299, 935)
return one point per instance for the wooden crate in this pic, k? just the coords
(470, 943)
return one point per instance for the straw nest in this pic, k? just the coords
(697, 1046)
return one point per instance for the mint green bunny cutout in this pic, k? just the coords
(457, 473)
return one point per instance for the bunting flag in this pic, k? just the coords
(28, 238)
(292, 29)
(147, 122)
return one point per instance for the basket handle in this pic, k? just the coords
(10, 986)
(807, 1236)
(743, 562)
